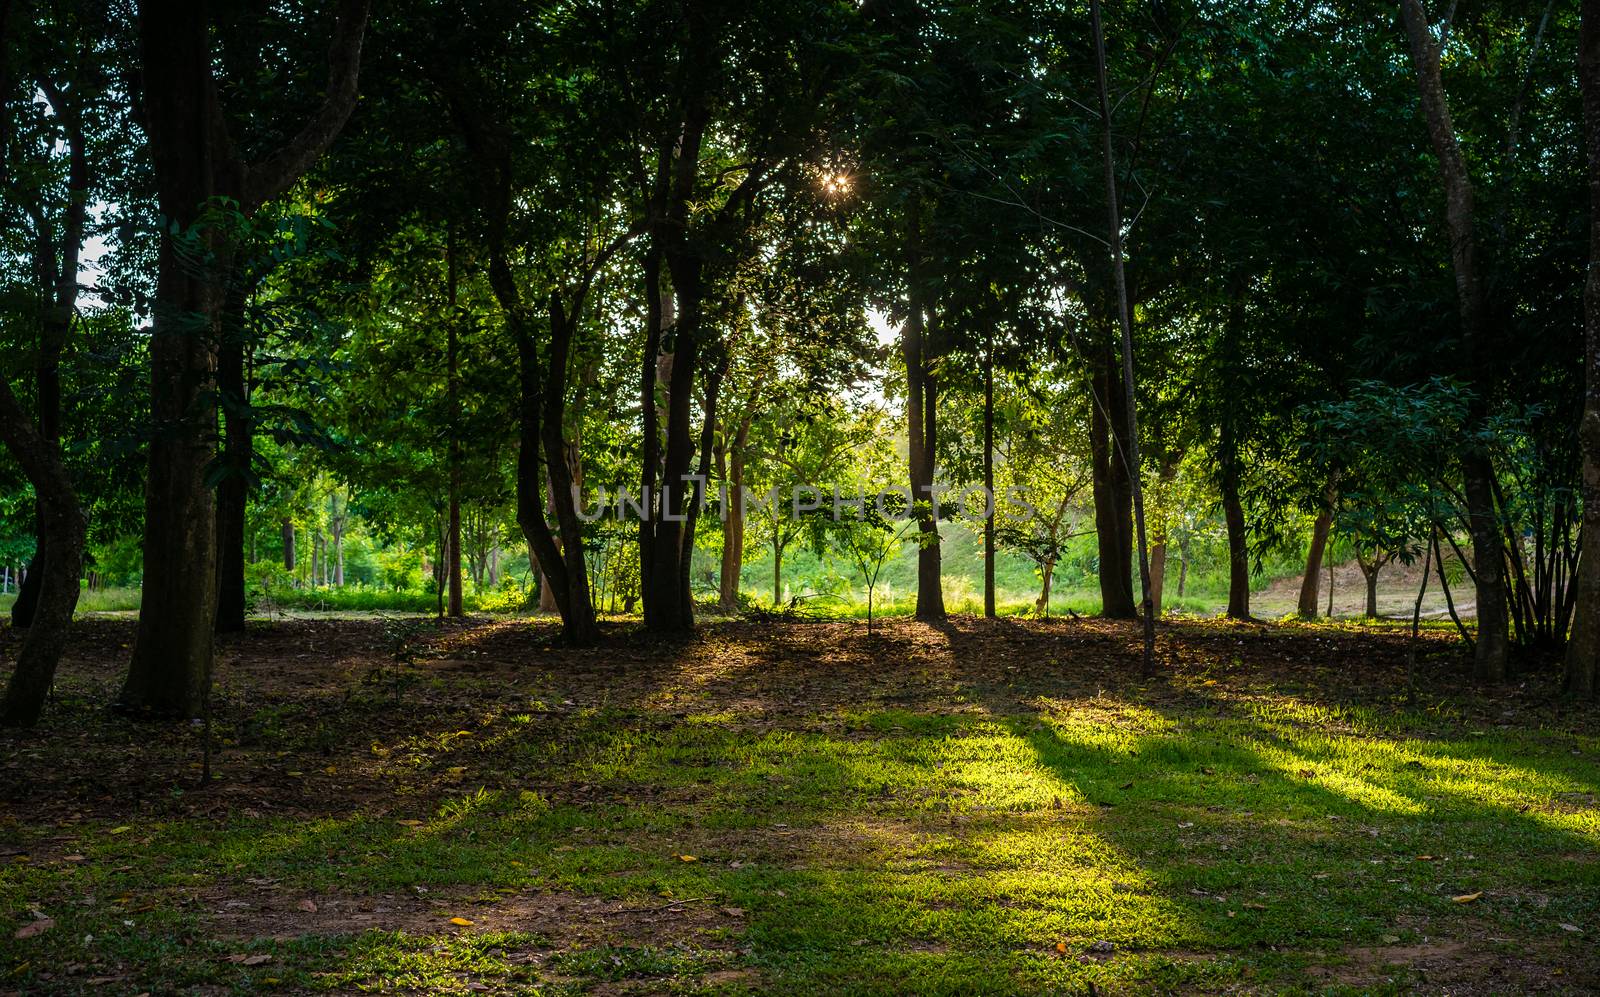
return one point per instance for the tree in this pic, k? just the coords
(198, 168)
(1583, 650)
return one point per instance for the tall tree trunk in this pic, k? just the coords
(1183, 566)
(668, 609)
(453, 399)
(1238, 549)
(1158, 571)
(656, 322)
(286, 532)
(63, 531)
(708, 432)
(777, 567)
(733, 524)
(170, 670)
(1583, 647)
(920, 426)
(988, 474)
(1492, 648)
(1125, 317)
(1113, 498)
(59, 269)
(1307, 607)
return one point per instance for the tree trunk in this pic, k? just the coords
(733, 525)
(1183, 566)
(1113, 499)
(1238, 550)
(62, 530)
(453, 401)
(170, 670)
(708, 432)
(1130, 424)
(777, 569)
(1369, 571)
(338, 551)
(988, 474)
(1041, 605)
(286, 532)
(921, 428)
(1583, 647)
(667, 608)
(1158, 571)
(1493, 645)
(1308, 584)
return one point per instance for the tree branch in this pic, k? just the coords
(273, 175)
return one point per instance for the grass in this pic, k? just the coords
(989, 809)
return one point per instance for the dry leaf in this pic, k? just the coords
(733, 911)
(74, 858)
(124, 829)
(309, 906)
(38, 927)
(260, 959)
(1061, 947)
(463, 922)
(1466, 898)
(687, 858)
(1424, 858)
(1571, 927)
(409, 823)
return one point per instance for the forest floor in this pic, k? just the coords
(982, 807)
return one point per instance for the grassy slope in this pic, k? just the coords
(959, 811)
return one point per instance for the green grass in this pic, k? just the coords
(1219, 833)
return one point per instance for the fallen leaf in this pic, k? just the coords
(1061, 947)
(1103, 947)
(687, 858)
(124, 829)
(733, 911)
(309, 906)
(463, 922)
(1424, 858)
(38, 927)
(1572, 928)
(409, 823)
(74, 858)
(1466, 898)
(260, 959)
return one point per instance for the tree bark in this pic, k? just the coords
(170, 670)
(64, 527)
(1582, 673)
(55, 326)
(1130, 452)
(1492, 648)
(1238, 549)
(988, 474)
(453, 391)
(1307, 607)
(920, 427)
(733, 523)
(286, 533)
(1113, 498)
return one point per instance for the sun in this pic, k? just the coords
(836, 184)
